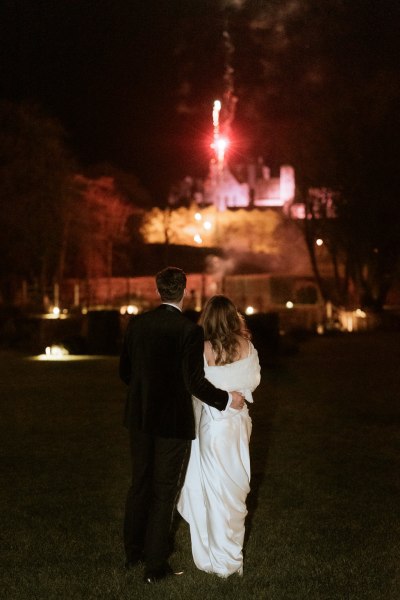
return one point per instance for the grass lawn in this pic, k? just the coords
(324, 511)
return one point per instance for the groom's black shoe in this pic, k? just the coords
(155, 575)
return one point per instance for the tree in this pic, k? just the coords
(35, 194)
(126, 185)
(361, 146)
(98, 227)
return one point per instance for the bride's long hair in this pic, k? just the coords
(223, 326)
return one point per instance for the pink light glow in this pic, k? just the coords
(219, 146)
(220, 142)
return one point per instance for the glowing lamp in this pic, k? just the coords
(349, 322)
(289, 304)
(56, 351)
(198, 216)
(319, 242)
(132, 309)
(249, 310)
(197, 238)
(56, 311)
(207, 225)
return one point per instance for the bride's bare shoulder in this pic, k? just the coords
(244, 346)
(209, 354)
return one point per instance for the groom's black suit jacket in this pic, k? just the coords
(162, 363)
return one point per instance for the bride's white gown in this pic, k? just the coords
(213, 498)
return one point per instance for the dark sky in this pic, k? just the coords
(107, 70)
(133, 81)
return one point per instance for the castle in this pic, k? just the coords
(253, 186)
(258, 188)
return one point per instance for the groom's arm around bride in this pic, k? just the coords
(162, 364)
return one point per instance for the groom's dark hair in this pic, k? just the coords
(171, 283)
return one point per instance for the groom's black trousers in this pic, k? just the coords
(158, 469)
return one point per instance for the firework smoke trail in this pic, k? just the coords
(229, 98)
(224, 113)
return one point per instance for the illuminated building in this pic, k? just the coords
(257, 188)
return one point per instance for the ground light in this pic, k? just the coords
(56, 350)
(55, 313)
(67, 357)
(131, 309)
(59, 353)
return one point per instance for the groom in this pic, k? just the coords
(162, 363)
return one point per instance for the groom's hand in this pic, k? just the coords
(237, 400)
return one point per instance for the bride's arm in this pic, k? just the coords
(255, 369)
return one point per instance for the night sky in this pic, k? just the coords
(133, 81)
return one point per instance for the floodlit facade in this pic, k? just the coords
(258, 189)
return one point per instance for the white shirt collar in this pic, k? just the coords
(174, 305)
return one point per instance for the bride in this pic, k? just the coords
(213, 497)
